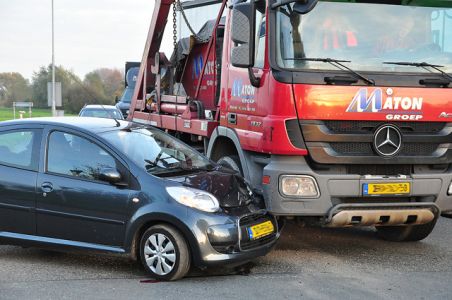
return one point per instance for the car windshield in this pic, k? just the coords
(366, 34)
(102, 113)
(156, 152)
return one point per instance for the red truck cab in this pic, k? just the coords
(337, 112)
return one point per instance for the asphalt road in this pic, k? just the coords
(310, 263)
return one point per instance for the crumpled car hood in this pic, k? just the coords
(229, 188)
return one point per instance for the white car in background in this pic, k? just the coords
(101, 111)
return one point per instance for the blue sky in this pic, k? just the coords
(89, 34)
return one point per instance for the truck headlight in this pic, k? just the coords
(300, 186)
(194, 198)
(449, 192)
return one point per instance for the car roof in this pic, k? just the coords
(95, 125)
(99, 106)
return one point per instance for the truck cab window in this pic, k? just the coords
(260, 39)
(354, 31)
(442, 29)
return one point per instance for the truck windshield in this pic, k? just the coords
(157, 152)
(367, 34)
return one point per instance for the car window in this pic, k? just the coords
(16, 148)
(101, 113)
(73, 155)
(155, 151)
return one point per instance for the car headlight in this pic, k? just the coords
(449, 192)
(194, 198)
(301, 186)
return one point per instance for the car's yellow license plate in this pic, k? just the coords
(260, 230)
(395, 188)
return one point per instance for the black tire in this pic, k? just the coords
(405, 233)
(181, 264)
(231, 162)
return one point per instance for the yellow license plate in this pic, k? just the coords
(386, 188)
(260, 230)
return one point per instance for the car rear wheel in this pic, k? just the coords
(164, 253)
(405, 233)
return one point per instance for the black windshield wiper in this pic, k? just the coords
(338, 64)
(423, 65)
(206, 168)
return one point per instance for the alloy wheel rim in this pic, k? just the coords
(160, 254)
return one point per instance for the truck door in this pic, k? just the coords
(245, 104)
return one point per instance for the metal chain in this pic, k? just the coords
(174, 26)
(181, 9)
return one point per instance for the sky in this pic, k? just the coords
(89, 34)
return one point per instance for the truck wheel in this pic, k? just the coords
(232, 162)
(164, 253)
(405, 233)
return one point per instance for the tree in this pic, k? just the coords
(109, 83)
(43, 76)
(98, 87)
(14, 87)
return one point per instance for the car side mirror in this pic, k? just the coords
(110, 175)
(242, 34)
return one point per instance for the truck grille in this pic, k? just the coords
(408, 149)
(366, 126)
(351, 143)
(388, 169)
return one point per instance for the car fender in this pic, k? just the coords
(143, 219)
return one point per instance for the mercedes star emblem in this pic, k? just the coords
(387, 140)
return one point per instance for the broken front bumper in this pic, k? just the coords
(228, 242)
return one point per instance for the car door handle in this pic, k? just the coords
(46, 187)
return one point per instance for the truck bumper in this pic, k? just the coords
(340, 189)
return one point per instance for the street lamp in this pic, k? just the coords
(53, 67)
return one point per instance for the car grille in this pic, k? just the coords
(245, 222)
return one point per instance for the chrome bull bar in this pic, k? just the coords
(384, 214)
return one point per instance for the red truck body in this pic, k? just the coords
(297, 126)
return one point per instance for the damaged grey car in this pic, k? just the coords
(120, 187)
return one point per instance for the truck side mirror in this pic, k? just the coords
(242, 33)
(304, 6)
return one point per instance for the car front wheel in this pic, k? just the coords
(164, 253)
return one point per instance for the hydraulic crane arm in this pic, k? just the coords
(146, 78)
(153, 41)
